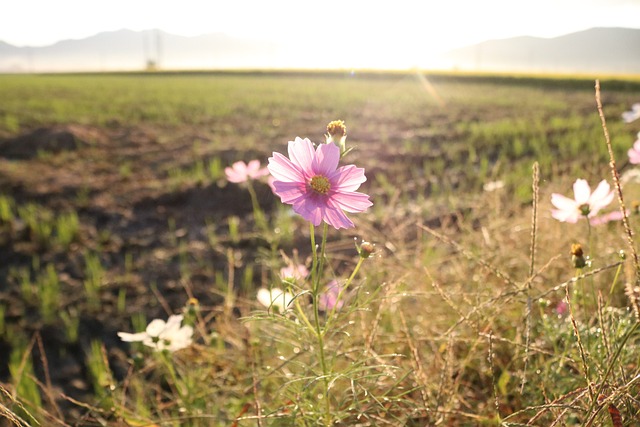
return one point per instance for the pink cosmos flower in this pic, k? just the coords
(311, 181)
(329, 298)
(634, 152)
(242, 172)
(633, 114)
(605, 218)
(585, 204)
(562, 308)
(294, 271)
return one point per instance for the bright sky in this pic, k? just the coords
(377, 32)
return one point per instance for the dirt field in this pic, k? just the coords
(153, 205)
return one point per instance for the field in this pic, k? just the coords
(115, 210)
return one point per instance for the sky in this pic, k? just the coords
(380, 32)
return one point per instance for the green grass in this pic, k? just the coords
(453, 321)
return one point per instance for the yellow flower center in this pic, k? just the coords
(320, 184)
(337, 128)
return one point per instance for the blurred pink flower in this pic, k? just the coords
(311, 181)
(585, 204)
(329, 298)
(605, 218)
(161, 335)
(562, 308)
(242, 172)
(634, 152)
(294, 271)
(633, 114)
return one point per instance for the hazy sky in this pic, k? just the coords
(355, 28)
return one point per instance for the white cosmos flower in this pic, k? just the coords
(585, 204)
(633, 114)
(161, 335)
(276, 298)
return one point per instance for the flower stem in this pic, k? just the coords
(258, 215)
(346, 285)
(591, 251)
(615, 279)
(168, 364)
(316, 270)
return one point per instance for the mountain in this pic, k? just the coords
(604, 50)
(137, 50)
(611, 50)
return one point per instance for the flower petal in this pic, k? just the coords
(348, 178)
(336, 218)
(581, 191)
(182, 338)
(173, 325)
(326, 160)
(236, 173)
(309, 209)
(264, 297)
(608, 217)
(634, 153)
(289, 191)
(301, 153)
(565, 216)
(253, 165)
(155, 327)
(563, 203)
(600, 198)
(283, 170)
(127, 337)
(351, 202)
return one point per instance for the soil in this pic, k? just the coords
(144, 226)
(118, 181)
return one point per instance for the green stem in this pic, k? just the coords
(346, 285)
(314, 255)
(258, 215)
(303, 316)
(615, 279)
(591, 281)
(164, 356)
(316, 270)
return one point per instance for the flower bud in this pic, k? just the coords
(337, 134)
(366, 249)
(191, 310)
(577, 256)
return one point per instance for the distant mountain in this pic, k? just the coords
(604, 50)
(137, 50)
(612, 50)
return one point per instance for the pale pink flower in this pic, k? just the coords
(584, 204)
(294, 271)
(161, 335)
(311, 181)
(634, 152)
(633, 114)
(605, 218)
(329, 298)
(242, 172)
(562, 308)
(275, 298)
